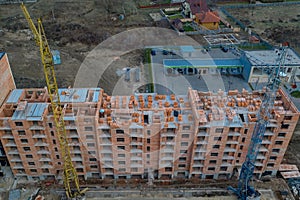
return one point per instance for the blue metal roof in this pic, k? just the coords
(14, 96)
(96, 96)
(1, 54)
(202, 63)
(186, 49)
(69, 118)
(32, 112)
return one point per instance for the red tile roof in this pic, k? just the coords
(198, 6)
(208, 17)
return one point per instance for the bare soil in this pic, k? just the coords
(275, 24)
(76, 27)
(72, 27)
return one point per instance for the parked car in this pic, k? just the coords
(153, 52)
(165, 52)
(180, 70)
(172, 53)
(224, 49)
(223, 71)
(234, 71)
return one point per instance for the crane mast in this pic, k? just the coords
(245, 191)
(70, 177)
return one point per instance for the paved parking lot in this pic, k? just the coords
(178, 84)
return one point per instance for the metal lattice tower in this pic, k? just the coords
(70, 177)
(245, 191)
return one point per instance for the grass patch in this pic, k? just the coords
(179, 16)
(147, 64)
(165, 1)
(147, 56)
(149, 3)
(254, 47)
(296, 94)
(174, 12)
(188, 27)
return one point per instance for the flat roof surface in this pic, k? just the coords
(269, 57)
(32, 112)
(202, 63)
(96, 95)
(14, 96)
(72, 95)
(77, 95)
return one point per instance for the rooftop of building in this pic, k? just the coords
(198, 6)
(67, 95)
(196, 52)
(208, 17)
(269, 57)
(174, 63)
(232, 108)
(29, 111)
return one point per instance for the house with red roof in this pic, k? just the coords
(198, 6)
(209, 19)
(191, 7)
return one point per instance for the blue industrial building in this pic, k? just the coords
(254, 66)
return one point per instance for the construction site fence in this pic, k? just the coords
(239, 23)
(261, 5)
(235, 20)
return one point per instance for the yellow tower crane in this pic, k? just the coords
(70, 177)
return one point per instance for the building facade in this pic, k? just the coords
(201, 134)
(7, 82)
(209, 19)
(259, 64)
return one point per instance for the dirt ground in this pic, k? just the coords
(76, 27)
(276, 24)
(292, 155)
(72, 27)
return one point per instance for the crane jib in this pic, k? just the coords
(70, 177)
